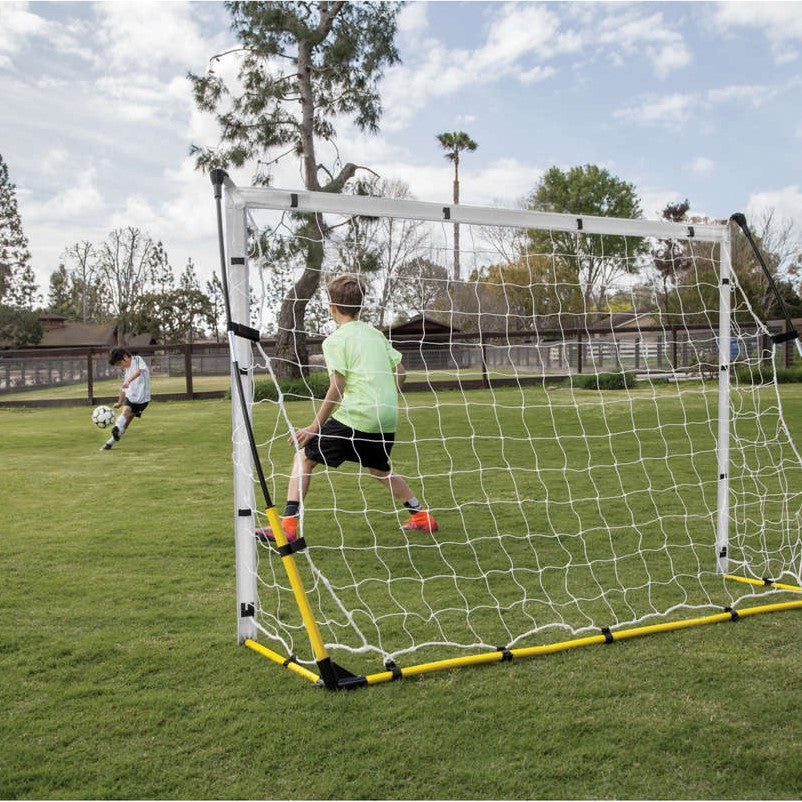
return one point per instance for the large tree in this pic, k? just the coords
(17, 280)
(302, 66)
(596, 260)
(124, 262)
(453, 144)
(380, 247)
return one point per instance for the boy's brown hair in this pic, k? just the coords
(347, 293)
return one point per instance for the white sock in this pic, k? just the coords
(120, 424)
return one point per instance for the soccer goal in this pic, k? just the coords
(591, 414)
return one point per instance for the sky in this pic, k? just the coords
(684, 100)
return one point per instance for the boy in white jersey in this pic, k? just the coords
(134, 392)
(358, 416)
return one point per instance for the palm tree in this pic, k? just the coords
(453, 144)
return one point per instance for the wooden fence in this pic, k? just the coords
(494, 358)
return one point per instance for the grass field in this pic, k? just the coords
(122, 677)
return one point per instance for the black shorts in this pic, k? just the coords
(337, 443)
(137, 409)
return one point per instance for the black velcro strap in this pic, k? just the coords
(767, 581)
(608, 636)
(244, 331)
(446, 213)
(293, 200)
(579, 224)
(291, 548)
(784, 336)
(733, 613)
(290, 659)
(246, 610)
(244, 513)
(237, 260)
(506, 654)
(691, 232)
(394, 670)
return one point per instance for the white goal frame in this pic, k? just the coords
(239, 201)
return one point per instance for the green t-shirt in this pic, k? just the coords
(367, 362)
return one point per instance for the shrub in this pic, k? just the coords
(314, 385)
(619, 380)
(763, 374)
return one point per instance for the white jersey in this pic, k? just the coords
(138, 391)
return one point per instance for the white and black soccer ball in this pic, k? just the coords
(102, 416)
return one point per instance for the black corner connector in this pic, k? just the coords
(739, 218)
(217, 175)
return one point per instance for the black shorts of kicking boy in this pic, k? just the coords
(337, 443)
(137, 409)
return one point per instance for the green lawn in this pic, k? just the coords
(122, 677)
(110, 387)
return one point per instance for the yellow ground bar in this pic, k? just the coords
(552, 648)
(762, 582)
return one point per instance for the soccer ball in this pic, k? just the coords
(102, 416)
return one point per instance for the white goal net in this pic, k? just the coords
(590, 414)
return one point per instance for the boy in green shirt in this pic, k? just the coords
(358, 416)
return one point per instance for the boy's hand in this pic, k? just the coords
(116, 404)
(303, 436)
(125, 385)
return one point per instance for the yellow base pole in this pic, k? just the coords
(763, 583)
(297, 586)
(289, 664)
(610, 637)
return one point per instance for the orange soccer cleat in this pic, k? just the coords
(421, 521)
(289, 523)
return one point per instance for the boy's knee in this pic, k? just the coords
(307, 465)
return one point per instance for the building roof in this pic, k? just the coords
(418, 326)
(62, 333)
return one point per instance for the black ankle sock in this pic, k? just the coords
(292, 508)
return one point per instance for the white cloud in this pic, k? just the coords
(757, 95)
(17, 24)
(521, 40)
(633, 32)
(144, 34)
(413, 18)
(71, 204)
(670, 58)
(780, 22)
(670, 110)
(786, 202)
(702, 166)
(536, 74)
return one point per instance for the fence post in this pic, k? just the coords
(789, 354)
(673, 348)
(579, 352)
(90, 378)
(188, 368)
(485, 380)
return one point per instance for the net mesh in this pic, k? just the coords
(559, 421)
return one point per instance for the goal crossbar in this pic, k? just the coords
(327, 202)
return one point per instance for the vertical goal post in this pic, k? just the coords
(441, 601)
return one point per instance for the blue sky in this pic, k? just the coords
(696, 100)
